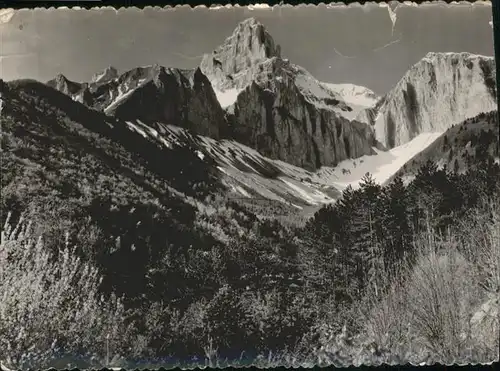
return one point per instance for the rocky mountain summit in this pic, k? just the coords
(235, 63)
(279, 108)
(440, 90)
(77, 91)
(251, 55)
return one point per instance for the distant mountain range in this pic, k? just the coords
(270, 129)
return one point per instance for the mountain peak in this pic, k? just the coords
(63, 84)
(249, 45)
(61, 78)
(251, 34)
(108, 74)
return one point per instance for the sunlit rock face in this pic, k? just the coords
(108, 74)
(439, 91)
(234, 63)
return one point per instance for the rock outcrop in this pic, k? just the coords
(282, 124)
(77, 91)
(440, 90)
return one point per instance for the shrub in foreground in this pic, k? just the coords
(50, 303)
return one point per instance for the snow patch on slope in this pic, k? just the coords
(312, 87)
(357, 97)
(354, 94)
(227, 97)
(78, 97)
(246, 169)
(121, 96)
(383, 165)
(321, 95)
(249, 174)
(135, 128)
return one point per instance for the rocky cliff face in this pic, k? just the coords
(278, 108)
(178, 97)
(154, 93)
(77, 91)
(282, 124)
(272, 105)
(441, 90)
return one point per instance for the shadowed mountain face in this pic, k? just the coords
(191, 165)
(171, 96)
(47, 111)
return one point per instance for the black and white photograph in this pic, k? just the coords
(305, 185)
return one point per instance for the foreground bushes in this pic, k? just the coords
(50, 303)
(321, 294)
(443, 305)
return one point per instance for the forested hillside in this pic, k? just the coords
(202, 277)
(461, 147)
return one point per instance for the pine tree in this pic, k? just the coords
(450, 154)
(364, 231)
(445, 142)
(455, 166)
(397, 239)
(425, 196)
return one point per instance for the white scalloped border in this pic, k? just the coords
(266, 7)
(6, 15)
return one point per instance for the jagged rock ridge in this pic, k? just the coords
(153, 93)
(278, 109)
(109, 73)
(281, 110)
